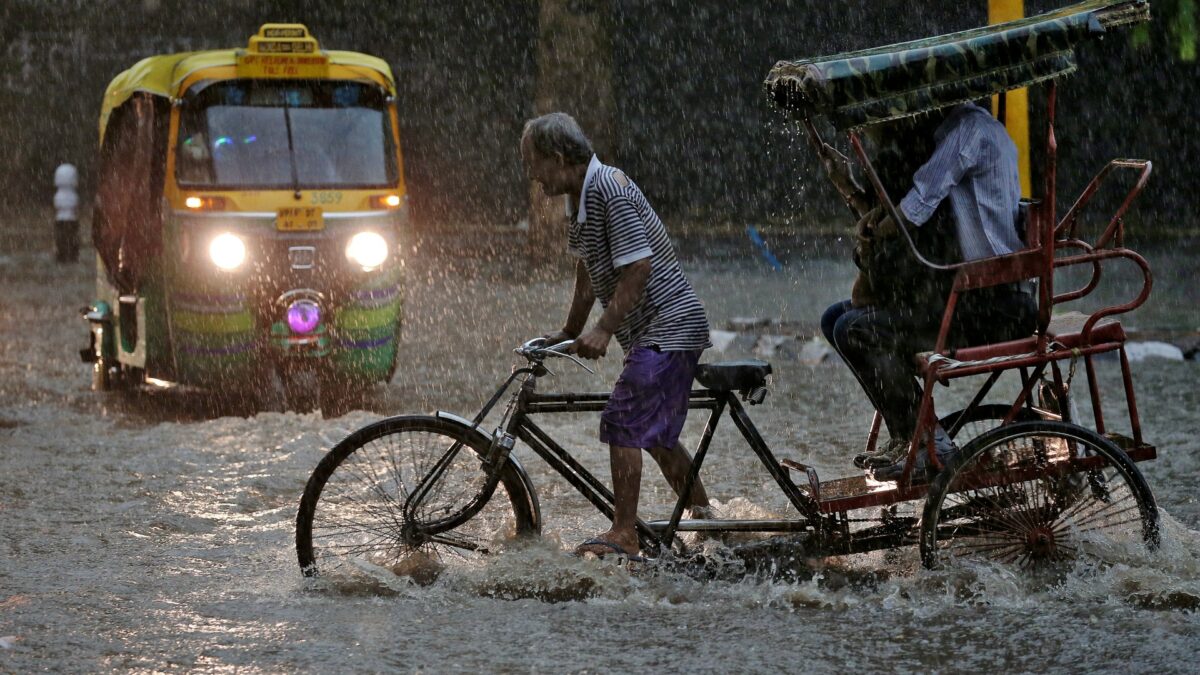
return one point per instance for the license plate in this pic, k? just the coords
(300, 219)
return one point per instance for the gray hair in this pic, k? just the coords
(558, 132)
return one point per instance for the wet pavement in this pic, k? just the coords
(150, 531)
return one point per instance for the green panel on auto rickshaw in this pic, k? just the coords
(367, 329)
(214, 330)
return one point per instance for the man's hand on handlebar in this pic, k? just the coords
(558, 344)
(592, 344)
(556, 337)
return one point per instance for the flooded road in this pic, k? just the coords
(140, 532)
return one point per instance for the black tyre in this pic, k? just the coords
(132, 377)
(301, 390)
(352, 511)
(1015, 496)
(334, 399)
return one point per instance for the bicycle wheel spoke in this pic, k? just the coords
(379, 512)
(343, 527)
(370, 488)
(352, 549)
(974, 545)
(374, 483)
(1107, 526)
(397, 474)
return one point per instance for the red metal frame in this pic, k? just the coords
(1044, 349)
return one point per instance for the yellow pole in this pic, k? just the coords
(1017, 103)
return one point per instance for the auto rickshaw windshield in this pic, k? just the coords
(286, 135)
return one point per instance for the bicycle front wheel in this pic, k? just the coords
(352, 513)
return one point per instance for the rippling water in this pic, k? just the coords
(147, 531)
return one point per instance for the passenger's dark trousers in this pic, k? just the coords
(879, 343)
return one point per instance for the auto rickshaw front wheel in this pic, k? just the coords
(333, 399)
(301, 390)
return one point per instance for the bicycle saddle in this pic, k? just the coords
(730, 375)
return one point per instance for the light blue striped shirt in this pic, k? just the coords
(975, 165)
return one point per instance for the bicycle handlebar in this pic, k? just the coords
(536, 351)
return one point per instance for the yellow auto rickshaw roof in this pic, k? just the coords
(165, 74)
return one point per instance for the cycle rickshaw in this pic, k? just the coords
(248, 212)
(1031, 485)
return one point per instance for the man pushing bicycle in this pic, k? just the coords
(627, 262)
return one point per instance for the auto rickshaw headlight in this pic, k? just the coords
(227, 251)
(367, 249)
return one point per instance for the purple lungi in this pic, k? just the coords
(649, 403)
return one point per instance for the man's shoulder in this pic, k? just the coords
(975, 126)
(610, 181)
(974, 116)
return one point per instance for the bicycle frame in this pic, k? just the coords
(716, 402)
(520, 426)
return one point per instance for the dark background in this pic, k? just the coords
(693, 125)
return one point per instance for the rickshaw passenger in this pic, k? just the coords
(626, 260)
(974, 168)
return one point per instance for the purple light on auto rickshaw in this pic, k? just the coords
(303, 316)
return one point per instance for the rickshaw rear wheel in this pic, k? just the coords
(352, 514)
(1041, 518)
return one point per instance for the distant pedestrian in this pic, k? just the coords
(66, 214)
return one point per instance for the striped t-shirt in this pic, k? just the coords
(615, 226)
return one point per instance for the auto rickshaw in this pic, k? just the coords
(248, 213)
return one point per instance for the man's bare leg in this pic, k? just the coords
(675, 463)
(626, 466)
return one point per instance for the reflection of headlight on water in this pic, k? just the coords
(227, 251)
(367, 249)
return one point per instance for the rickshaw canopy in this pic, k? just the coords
(860, 88)
(166, 75)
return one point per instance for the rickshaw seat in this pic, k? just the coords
(733, 375)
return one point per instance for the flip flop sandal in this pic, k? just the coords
(596, 541)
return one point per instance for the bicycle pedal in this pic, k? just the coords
(814, 483)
